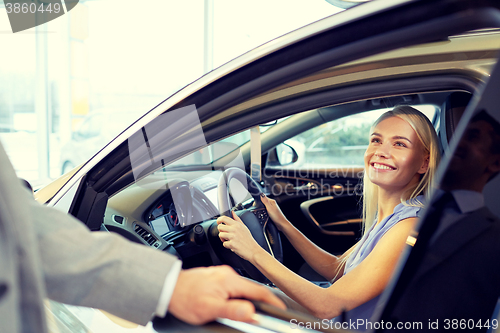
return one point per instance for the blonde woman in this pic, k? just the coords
(400, 162)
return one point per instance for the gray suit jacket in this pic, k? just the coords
(47, 253)
(459, 277)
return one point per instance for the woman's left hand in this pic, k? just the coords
(236, 237)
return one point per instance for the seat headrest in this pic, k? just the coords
(452, 110)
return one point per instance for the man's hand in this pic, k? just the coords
(204, 294)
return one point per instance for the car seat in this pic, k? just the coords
(452, 110)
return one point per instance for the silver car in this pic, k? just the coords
(161, 181)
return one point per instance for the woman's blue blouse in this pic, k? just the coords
(365, 247)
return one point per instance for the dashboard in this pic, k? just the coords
(183, 205)
(177, 218)
(164, 218)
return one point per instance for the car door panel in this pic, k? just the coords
(320, 214)
(323, 204)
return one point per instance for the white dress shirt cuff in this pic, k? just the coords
(168, 289)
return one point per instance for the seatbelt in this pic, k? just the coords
(255, 154)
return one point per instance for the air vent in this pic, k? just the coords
(118, 219)
(146, 235)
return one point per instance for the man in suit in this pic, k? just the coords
(456, 283)
(48, 254)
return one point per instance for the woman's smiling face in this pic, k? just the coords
(395, 157)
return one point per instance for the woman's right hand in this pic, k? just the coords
(275, 212)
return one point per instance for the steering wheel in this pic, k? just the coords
(256, 219)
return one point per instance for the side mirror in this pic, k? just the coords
(285, 154)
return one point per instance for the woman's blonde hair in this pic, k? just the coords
(427, 135)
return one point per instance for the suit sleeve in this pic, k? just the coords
(98, 269)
